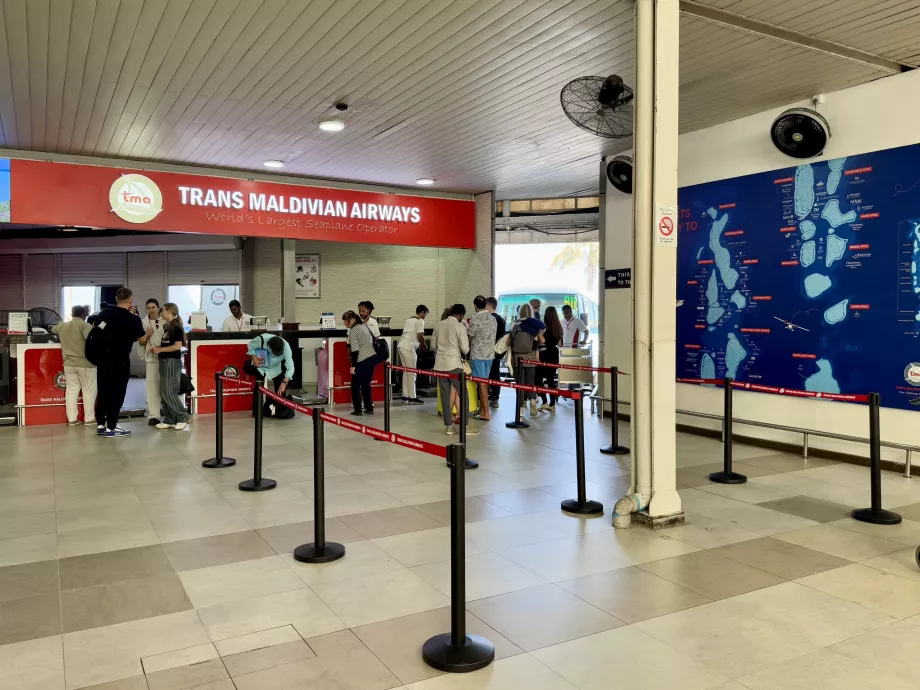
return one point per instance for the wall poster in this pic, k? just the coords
(306, 276)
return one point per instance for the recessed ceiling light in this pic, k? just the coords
(424, 180)
(333, 124)
(273, 164)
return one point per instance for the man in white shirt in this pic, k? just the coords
(365, 309)
(450, 342)
(573, 327)
(412, 340)
(153, 322)
(79, 372)
(237, 321)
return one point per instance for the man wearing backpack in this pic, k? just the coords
(108, 346)
(526, 334)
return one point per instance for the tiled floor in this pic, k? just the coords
(124, 565)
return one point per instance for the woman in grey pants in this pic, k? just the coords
(169, 353)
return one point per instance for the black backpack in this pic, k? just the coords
(521, 341)
(276, 410)
(98, 347)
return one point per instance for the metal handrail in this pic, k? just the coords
(908, 450)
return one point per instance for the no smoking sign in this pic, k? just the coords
(665, 224)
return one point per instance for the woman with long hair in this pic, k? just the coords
(549, 353)
(169, 353)
(363, 359)
(526, 336)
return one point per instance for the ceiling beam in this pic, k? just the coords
(759, 28)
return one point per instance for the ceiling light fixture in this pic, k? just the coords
(424, 181)
(273, 164)
(333, 124)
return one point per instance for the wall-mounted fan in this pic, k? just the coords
(620, 173)
(800, 133)
(600, 105)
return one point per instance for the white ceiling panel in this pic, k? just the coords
(464, 91)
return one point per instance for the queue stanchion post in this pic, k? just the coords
(219, 459)
(464, 404)
(518, 423)
(727, 475)
(581, 505)
(458, 651)
(875, 514)
(258, 482)
(386, 398)
(614, 448)
(320, 550)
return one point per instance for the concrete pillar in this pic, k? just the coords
(655, 258)
(288, 301)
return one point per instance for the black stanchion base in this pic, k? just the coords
(308, 553)
(517, 425)
(218, 462)
(262, 485)
(476, 653)
(587, 508)
(876, 517)
(467, 464)
(614, 450)
(727, 478)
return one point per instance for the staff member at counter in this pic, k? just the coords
(237, 321)
(271, 357)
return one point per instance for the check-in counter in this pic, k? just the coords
(40, 384)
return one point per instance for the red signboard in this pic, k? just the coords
(224, 358)
(42, 374)
(44, 193)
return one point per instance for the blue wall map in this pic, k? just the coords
(805, 278)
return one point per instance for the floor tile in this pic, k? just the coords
(123, 601)
(114, 652)
(185, 677)
(267, 657)
(29, 579)
(241, 580)
(33, 665)
(386, 523)
(477, 509)
(910, 512)
(396, 642)
(28, 618)
(222, 549)
(532, 528)
(299, 608)
(907, 532)
(893, 648)
(780, 558)
(518, 672)
(524, 501)
(541, 616)
(418, 548)
(42, 547)
(133, 683)
(727, 640)
(880, 591)
(194, 524)
(114, 566)
(394, 478)
(27, 524)
(825, 670)
(420, 493)
(787, 462)
(698, 475)
(711, 575)
(361, 558)
(632, 594)
(810, 508)
(378, 597)
(838, 542)
(341, 662)
(272, 514)
(635, 659)
(760, 520)
(707, 533)
(487, 575)
(285, 538)
(257, 640)
(901, 563)
(179, 658)
(111, 538)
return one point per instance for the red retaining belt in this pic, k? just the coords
(573, 367)
(795, 393)
(562, 393)
(425, 372)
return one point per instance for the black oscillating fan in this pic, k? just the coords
(800, 133)
(620, 173)
(600, 105)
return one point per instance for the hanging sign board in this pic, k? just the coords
(666, 225)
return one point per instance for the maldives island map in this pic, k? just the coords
(806, 278)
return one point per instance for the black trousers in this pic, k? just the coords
(494, 374)
(546, 378)
(112, 381)
(260, 378)
(361, 384)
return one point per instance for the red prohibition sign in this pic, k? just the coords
(666, 226)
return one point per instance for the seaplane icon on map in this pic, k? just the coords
(789, 326)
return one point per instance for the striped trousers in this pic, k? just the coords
(173, 409)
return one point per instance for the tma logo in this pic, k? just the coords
(135, 198)
(912, 374)
(60, 381)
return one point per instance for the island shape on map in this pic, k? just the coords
(816, 284)
(723, 259)
(833, 177)
(804, 195)
(807, 228)
(831, 213)
(822, 381)
(807, 254)
(836, 248)
(734, 355)
(837, 313)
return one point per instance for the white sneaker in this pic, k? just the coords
(73, 423)
(472, 431)
(451, 430)
(533, 408)
(181, 425)
(163, 425)
(91, 422)
(543, 407)
(551, 409)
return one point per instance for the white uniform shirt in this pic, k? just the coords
(372, 324)
(231, 325)
(157, 326)
(572, 329)
(449, 341)
(411, 331)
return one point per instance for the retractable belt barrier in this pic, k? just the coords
(424, 372)
(777, 390)
(560, 392)
(573, 367)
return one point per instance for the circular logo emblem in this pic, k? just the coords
(60, 381)
(912, 374)
(218, 297)
(135, 198)
(231, 372)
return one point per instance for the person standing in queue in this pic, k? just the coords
(482, 351)
(79, 373)
(365, 311)
(169, 355)
(273, 360)
(152, 374)
(526, 335)
(450, 343)
(237, 321)
(363, 360)
(124, 328)
(549, 353)
(410, 344)
(535, 305)
(501, 329)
